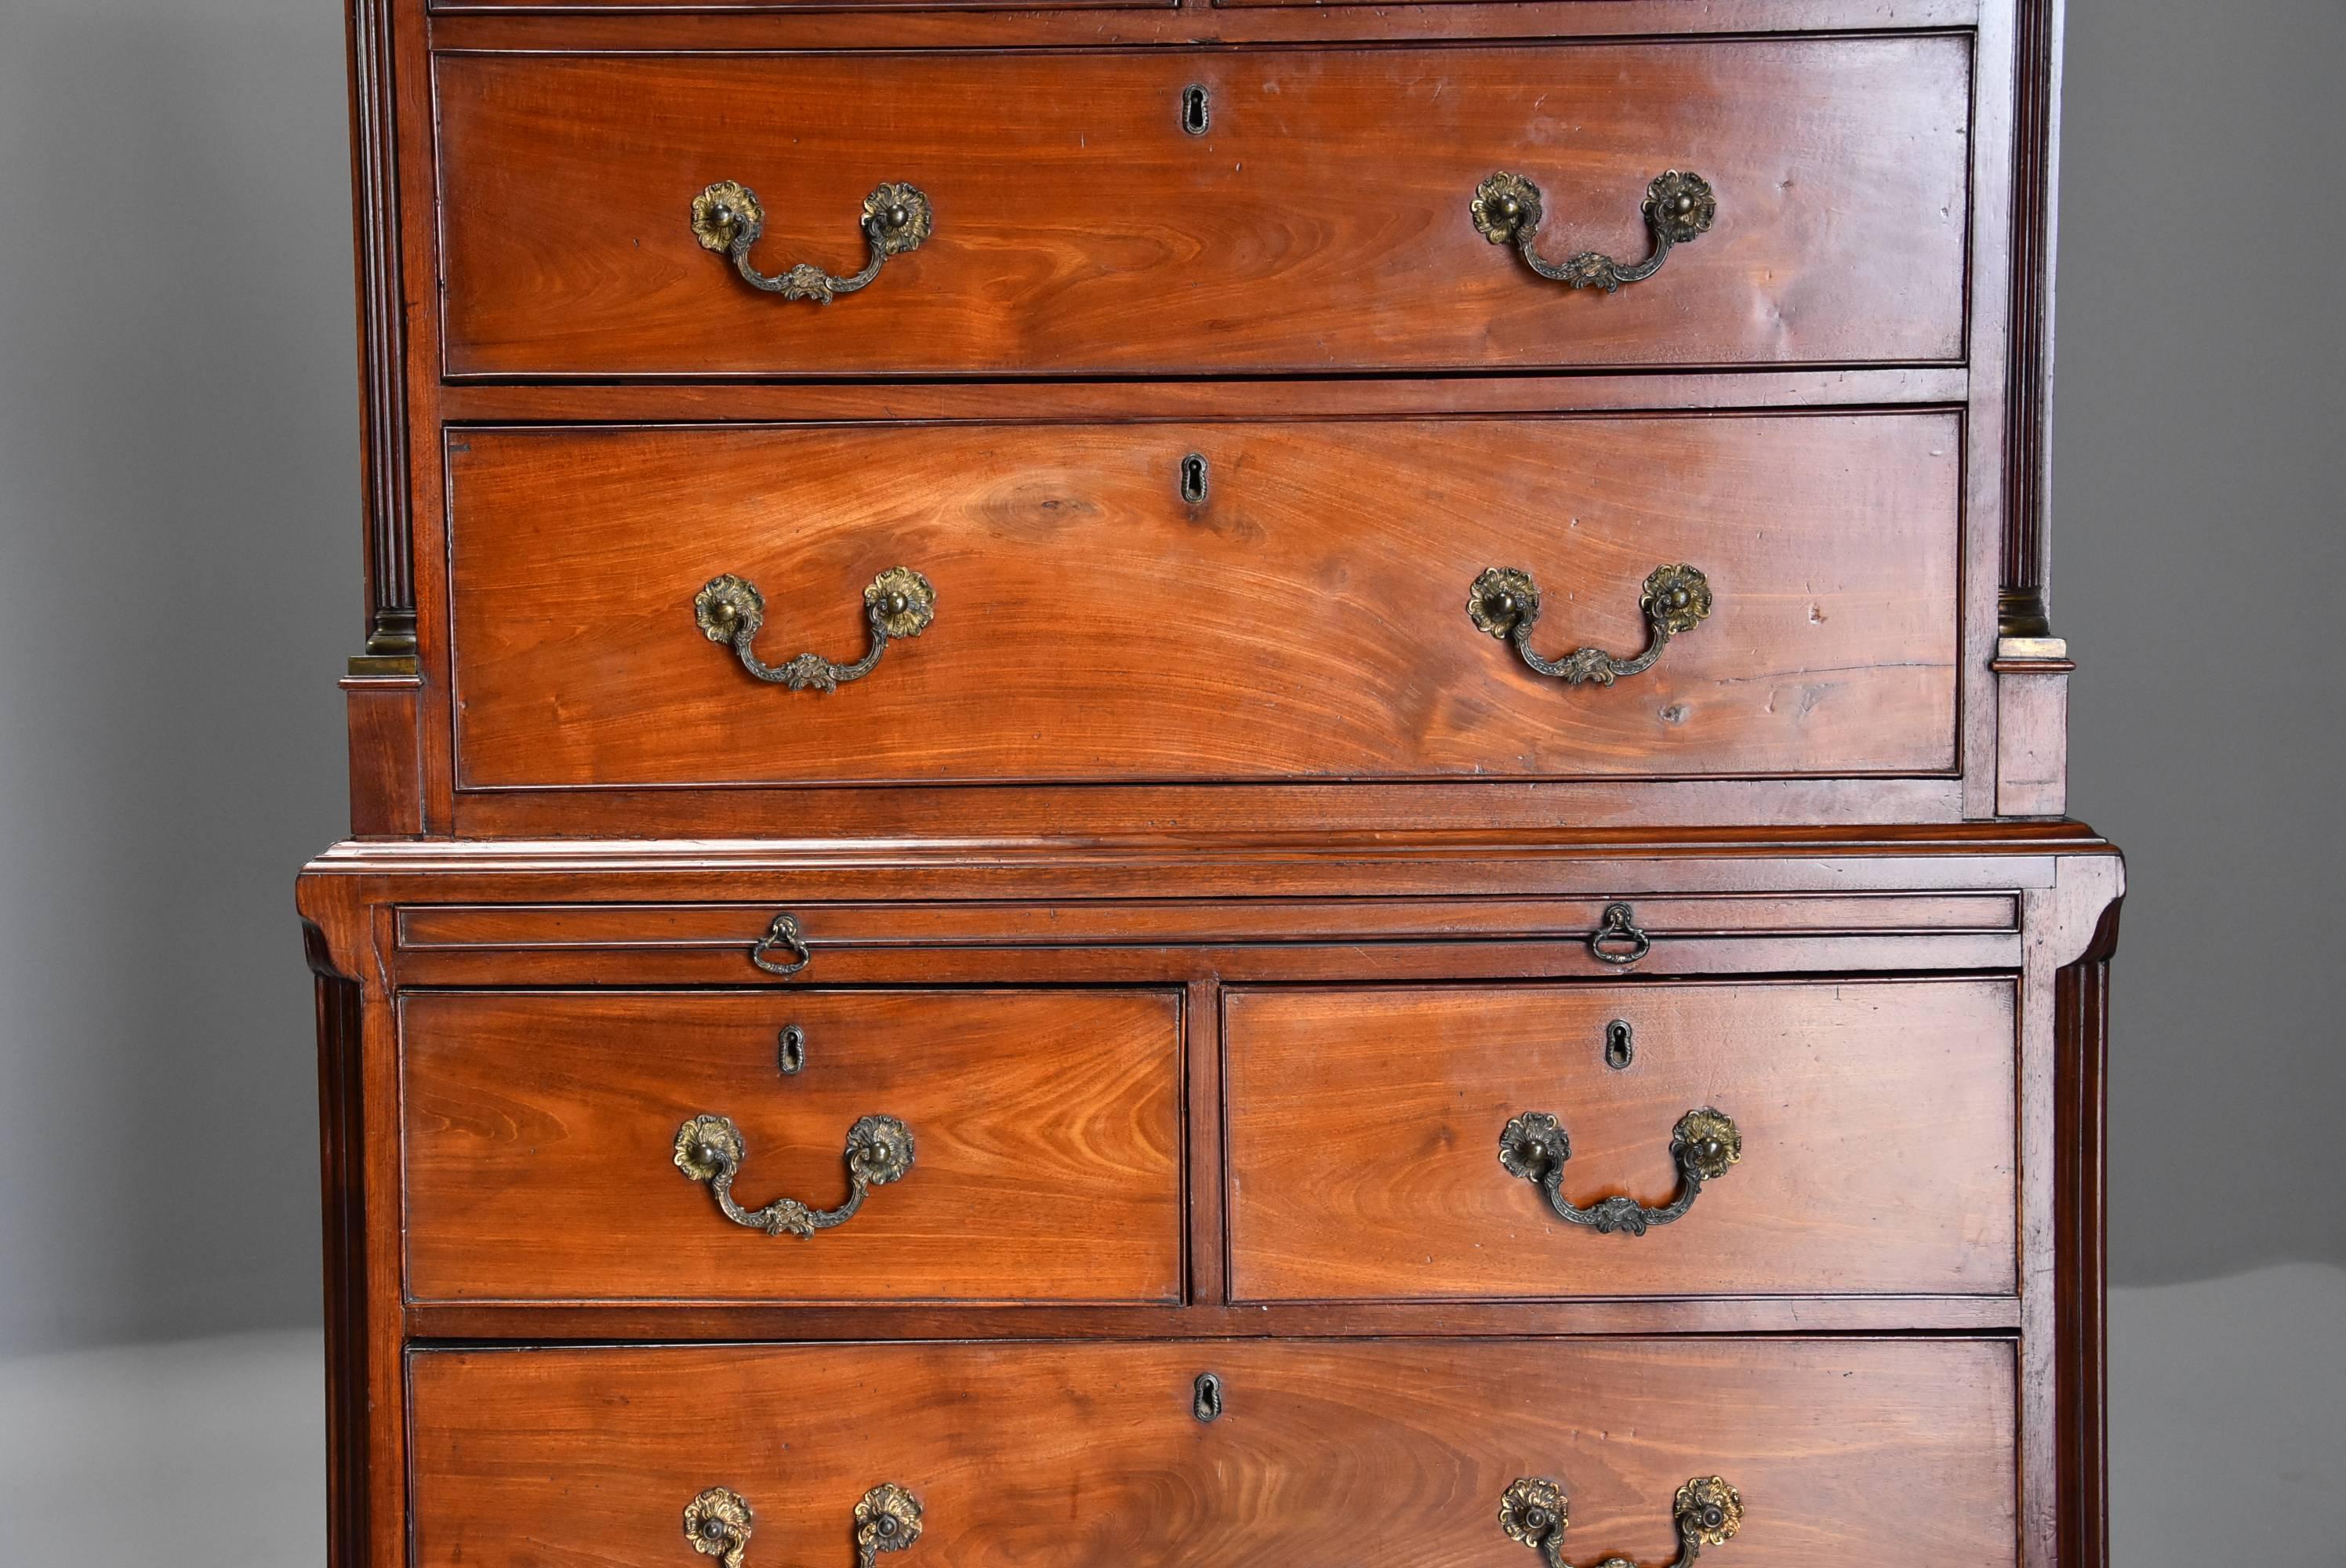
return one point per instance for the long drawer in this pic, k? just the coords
(1231, 211)
(987, 1146)
(1319, 1455)
(1765, 595)
(1647, 1140)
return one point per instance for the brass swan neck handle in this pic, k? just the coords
(727, 219)
(1680, 208)
(1504, 602)
(718, 1523)
(898, 603)
(1705, 1143)
(711, 1149)
(1707, 1511)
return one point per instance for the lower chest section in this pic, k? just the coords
(759, 1218)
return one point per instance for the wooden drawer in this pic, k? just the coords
(1325, 1455)
(1875, 1121)
(1323, 220)
(544, 1145)
(1308, 618)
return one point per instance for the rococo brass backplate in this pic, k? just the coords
(727, 219)
(711, 1149)
(1678, 208)
(898, 603)
(718, 1523)
(1505, 603)
(1704, 1143)
(1707, 1511)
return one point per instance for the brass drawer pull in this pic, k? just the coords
(711, 1149)
(718, 1523)
(898, 603)
(1505, 603)
(1619, 926)
(1708, 1513)
(1678, 208)
(781, 936)
(1703, 1145)
(727, 219)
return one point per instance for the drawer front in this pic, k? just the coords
(1325, 1455)
(1307, 618)
(1875, 1122)
(1322, 221)
(547, 1159)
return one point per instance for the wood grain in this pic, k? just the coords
(1307, 620)
(1877, 1121)
(1847, 1453)
(1321, 224)
(539, 1130)
(386, 781)
(915, 923)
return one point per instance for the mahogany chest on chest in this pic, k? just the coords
(1229, 784)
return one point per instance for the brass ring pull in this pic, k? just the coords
(1504, 602)
(1703, 1145)
(727, 219)
(718, 1523)
(1708, 1513)
(1619, 925)
(898, 603)
(782, 934)
(711, 1149)
(1678, 208)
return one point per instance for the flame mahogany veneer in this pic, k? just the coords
(1147, 982)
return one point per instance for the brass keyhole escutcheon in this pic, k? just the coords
(1620, 1045)
(1206, 1401)
(1197, 109)
(1196, 479)
(790, 1051)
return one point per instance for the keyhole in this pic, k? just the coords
(1620, 1046)
(789, 1052)
(1196, 113)
(1208, 1404)
(1193, 479)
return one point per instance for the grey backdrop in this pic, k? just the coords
(178, 584)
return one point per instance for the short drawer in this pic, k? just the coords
(1186, 602)
(1242, 210)
(1323, 1455)
(1009, 1145)
(1813, 1137)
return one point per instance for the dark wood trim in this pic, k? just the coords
(722, 24)
(535, 1323)
(342, 1144)
(2028, 448)
(1205, 1141)
(2081, 1007)
(1817, 391)
(382, 350)
(1096, 809)
(2071, 926)
(1253, 863)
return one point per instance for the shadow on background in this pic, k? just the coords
(2200, 554)
(178, 583)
